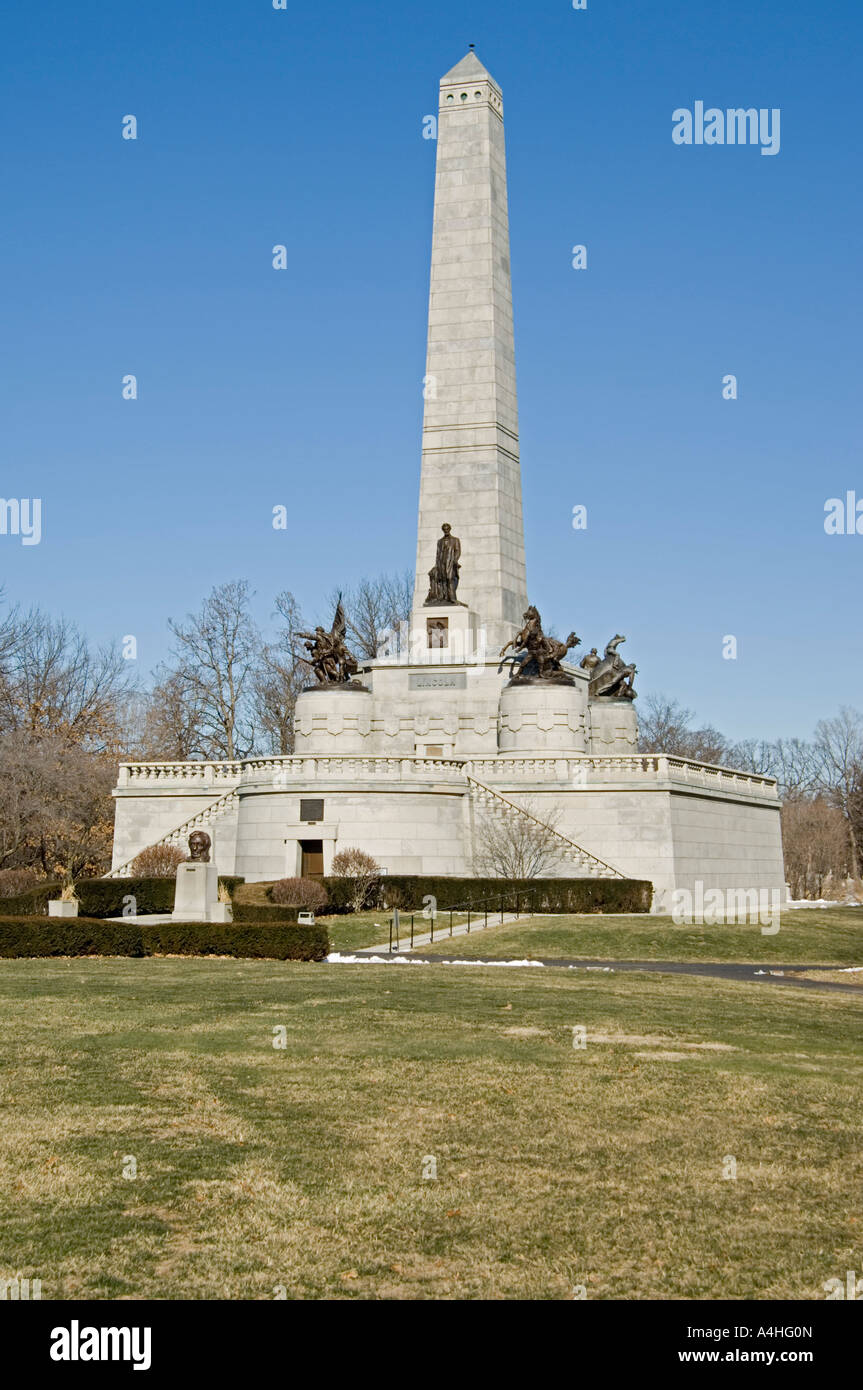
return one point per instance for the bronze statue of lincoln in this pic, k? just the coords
(443, 576)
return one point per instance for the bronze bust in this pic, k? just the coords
(199, 847)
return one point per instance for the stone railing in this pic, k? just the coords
(588, 771)
(286, 771)
(180, 775)
(279, 772)
(626, 767)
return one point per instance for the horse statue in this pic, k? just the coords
(535, 656)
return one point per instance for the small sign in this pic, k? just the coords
(311, 810)
(443, 680)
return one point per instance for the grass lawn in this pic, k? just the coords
(806, 936)
(836, 977)
(351, 930)
(303, 1167)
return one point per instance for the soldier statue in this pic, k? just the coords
(328, 655)
(611, 678)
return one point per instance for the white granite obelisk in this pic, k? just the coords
(471, 477)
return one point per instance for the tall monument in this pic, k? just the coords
(481, 716)
(471, 476)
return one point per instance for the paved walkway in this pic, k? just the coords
(755, 974)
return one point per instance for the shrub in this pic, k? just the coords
(299, 892)
(359, 874)
(264, 912)
(34, 901)
(158, 861)
(407, 891)
(280, 941)
(114, 897)
(231, 883)
(13, 882)
(73, 936)
(82, 936)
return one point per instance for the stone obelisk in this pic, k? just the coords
(471, 476)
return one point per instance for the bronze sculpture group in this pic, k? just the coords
(537, 657)
(540, 655)
(610, 677)
(329, 657)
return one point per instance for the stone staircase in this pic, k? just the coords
(493, 803)
(181, 833)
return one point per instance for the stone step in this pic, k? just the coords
(182, 832)
(503, 809)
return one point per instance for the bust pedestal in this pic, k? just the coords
(197, 892)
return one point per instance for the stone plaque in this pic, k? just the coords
(311, 810)
(442, 680)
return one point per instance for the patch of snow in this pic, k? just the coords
(817, 902)
(338, 959)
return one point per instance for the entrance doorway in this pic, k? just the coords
(312, 858)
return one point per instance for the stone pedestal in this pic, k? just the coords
(543, 720)
(197, 892)
(446, 635)
(333, 721)
(613, 727)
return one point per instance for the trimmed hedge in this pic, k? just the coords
(82, 936)
(277, 942)
(406, 891)
(104, 897)
(69, 936)
(265, 913)
(33, 903)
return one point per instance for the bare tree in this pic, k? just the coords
(172, 719)
(665, 727)
(53, 682)
(815, 844)
(217, 652)
(363, 872)
(839, 750)
(56, 810)
(509, 845)
(793, 762)
(279, 679)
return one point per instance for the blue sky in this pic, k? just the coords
(303, 387)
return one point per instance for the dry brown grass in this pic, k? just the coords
(302, 1168)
